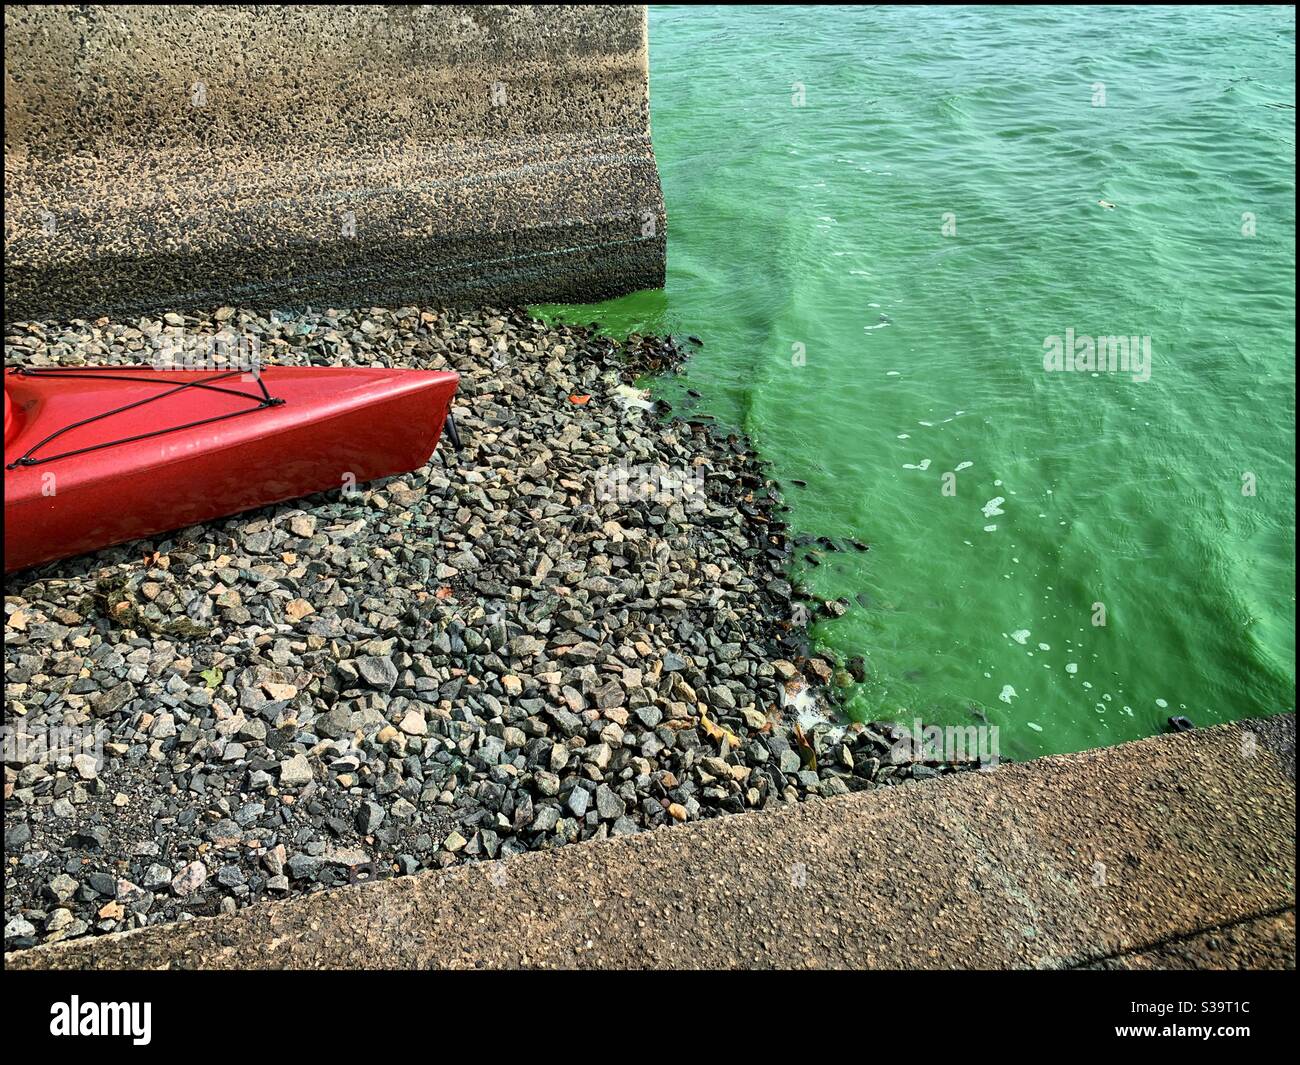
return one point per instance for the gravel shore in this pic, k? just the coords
(578, 626)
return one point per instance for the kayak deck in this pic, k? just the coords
(92, 425)
(100, 455)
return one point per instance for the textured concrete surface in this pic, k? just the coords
(1176, 850)
(188, 156)
(1259, 943)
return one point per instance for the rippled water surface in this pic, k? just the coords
(875, 274)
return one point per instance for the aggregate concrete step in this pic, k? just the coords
(1171, 851)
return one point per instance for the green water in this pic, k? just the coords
(823, 225)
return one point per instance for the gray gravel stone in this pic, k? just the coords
(608, 804)
(578, 801)
(295, 772)
(378, 672)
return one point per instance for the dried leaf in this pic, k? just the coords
(720, 734)
(806, 750)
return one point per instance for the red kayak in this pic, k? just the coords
(99, 455)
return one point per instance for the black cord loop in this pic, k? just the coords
(207, 384)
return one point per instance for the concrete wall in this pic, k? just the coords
(191, 156)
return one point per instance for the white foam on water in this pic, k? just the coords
(962, 466)
(1162, 704)
(993, 507)
(1008, 693)
(1044, 647)
(904, 436)
(990, 528)
(922, 466)
(1035, 726)
(1020, 636)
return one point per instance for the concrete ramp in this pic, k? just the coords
(190, 156)
(1176, 851)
